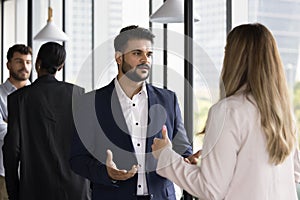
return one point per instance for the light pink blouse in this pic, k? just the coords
(234, 163)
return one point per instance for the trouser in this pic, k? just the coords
(3, 192)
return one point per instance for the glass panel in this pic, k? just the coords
(79, 26)
(157, 73)
(40, 16)
(21, 22)
(175, 36)
(15, 26)
(283, 19)
(1, 49)
(94, 69)
(209, 43)
(9, 34)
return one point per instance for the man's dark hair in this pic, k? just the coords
(51, 55)
(21, 48)
(129, 33)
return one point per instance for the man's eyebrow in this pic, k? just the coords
(20, 59)
(17, 59)
(136, 50)
(140, 50)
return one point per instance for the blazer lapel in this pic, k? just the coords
(117, 121)
(156, 117)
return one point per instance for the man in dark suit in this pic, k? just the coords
(40, 128)
(117, 123)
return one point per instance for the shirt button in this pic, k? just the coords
(138, 144)
(139, 186)
(136, 123)
(133, 104)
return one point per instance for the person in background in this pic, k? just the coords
(19, 64)
(250, 150)
(117, 123)
(40, 128)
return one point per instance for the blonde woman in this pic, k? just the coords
(250, 149)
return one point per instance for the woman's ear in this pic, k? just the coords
(60, 67)
(38, 65)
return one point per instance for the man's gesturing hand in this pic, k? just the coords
(115, 173)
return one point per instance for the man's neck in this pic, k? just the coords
(130, 87)
(16, 83)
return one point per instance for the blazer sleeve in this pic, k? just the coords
(11, 148)
(82, 160)
(86, 165)
(180, 141)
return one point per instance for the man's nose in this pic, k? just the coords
(145, 58)
(27, 64)
(23, 62)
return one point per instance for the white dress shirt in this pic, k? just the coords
(235, 162)
(135, 112)
(5, 89)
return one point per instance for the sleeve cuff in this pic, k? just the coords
(166, 158)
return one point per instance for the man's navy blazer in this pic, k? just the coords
(101, 125)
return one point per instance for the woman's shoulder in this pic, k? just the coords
(239, 102)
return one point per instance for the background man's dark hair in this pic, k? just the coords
(21, 48)
(131, 32)
(51, 55)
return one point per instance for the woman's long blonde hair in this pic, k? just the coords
(252, 60)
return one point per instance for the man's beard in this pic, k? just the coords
(132, 73)
(18, 76)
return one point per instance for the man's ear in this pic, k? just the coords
(8, 65)
(118, 57)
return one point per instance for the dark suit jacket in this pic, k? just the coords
(101, 125)
(40, 128)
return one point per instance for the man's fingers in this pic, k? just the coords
(198, 153)
(124, 174)
(116, 173)
(187, 160)
(133, 170)
(109, 159)
(193, 159)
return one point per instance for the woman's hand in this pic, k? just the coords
(159, 144)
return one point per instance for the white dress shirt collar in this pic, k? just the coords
(121, 93)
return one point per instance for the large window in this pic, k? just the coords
(79, 26)
(92, 26)
(39, 21)
(9, 34)
(209, 43)
(283, 19)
